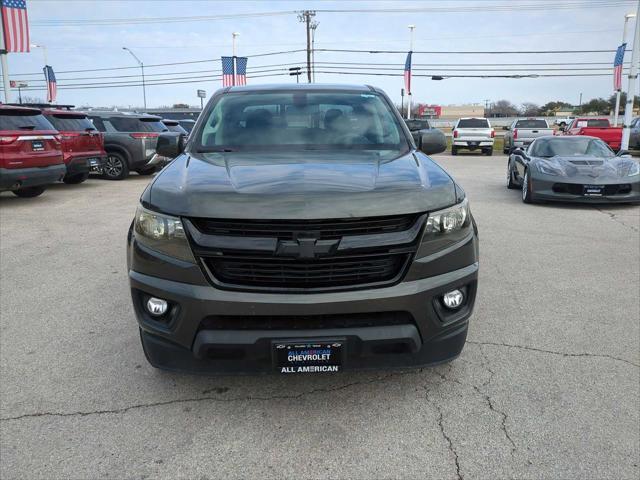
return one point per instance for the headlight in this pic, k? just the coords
(162, 233)
(448, 220)
(548, 169)
(445, 228)
(634, 169)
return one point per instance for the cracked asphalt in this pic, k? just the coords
(548, 385)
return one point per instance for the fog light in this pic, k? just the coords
(157, 306)
(453, 299)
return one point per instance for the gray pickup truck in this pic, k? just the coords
(523, 131)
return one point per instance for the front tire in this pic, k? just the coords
(115, 167)
(527, 196)
(29, 192)
(454, 150)
(75, 179)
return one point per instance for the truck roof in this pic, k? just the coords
(306, 87)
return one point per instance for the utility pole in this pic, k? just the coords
(409, 94)
(314, 25)
(624, 39)
(631, 90)
(305, 17)
(144, 88)
(580, 104)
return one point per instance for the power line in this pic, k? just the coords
(483, 8)
(467, 52)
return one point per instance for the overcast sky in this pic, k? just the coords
(72, 47)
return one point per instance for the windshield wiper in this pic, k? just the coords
(27, 127)
(213, 150)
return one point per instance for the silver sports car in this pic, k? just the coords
(574, 169)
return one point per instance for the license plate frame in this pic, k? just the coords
(37, 145)
(295, 356)
(593, 190)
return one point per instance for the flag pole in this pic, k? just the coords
(631, 90)
(4, 64)
(618, 91)
(5, 77)
(409, 94)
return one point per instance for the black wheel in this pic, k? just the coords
(74, 179)
(488, 151)
(146, 171)
(454, 150)
(506, 151)
(511, 185)
(115, 167)
(527, 196)
(28, 192)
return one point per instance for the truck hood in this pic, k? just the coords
(299, 185)
(591, 169)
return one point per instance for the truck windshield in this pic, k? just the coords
(301, 119)
(570, 146)
(531, 124)
(473, 123)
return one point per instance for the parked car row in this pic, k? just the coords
(43, 144)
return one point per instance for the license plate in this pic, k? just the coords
(94, 162)
(593, 190)
(322, 356)
(37, 145)
(473, 144)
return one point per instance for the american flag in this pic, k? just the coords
(617, 67)
(227, 72)
(15, 25)
(407, 74)
(241, 70)
(52, 89)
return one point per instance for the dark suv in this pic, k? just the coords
(129, 140)
(300, 230)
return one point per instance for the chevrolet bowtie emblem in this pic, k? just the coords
(306, 247)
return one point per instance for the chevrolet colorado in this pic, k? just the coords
(300, 230)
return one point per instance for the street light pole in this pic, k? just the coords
(233, 42)
(624, 39)
(409, 94)
(144, 89)
(631, 89)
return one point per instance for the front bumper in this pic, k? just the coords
(183, 341)
(16, 178)
(547, 188)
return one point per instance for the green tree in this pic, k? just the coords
(552, 107)
(530, 109)
(599, 106)
(623, 101)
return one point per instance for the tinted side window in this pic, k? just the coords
(98, 123)
(70, 123)
(16, 121)
(126, 124)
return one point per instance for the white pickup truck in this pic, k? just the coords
(523, 131)
(473, 134)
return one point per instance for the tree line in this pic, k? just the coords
(598, 106)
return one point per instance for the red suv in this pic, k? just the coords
(82, 144)
(30, 152)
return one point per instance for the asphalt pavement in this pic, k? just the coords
(548, 385)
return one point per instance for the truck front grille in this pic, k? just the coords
(294, 274)
(305, 256)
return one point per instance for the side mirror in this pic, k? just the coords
(432, 141)
(170, 146)
(519, 152)
(623, 153)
